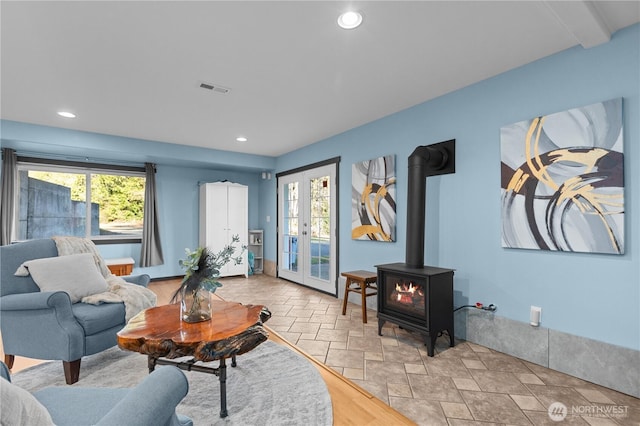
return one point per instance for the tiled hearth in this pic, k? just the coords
(464, 385)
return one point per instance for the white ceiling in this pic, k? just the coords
(134, 68)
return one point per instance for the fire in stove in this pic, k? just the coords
(410, 294)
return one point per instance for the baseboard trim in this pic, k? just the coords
(175, 277)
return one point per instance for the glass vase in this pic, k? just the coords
(195, 305)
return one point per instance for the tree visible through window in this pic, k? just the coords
(53, 201)
(121, 201)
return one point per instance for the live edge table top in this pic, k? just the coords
(234, 329)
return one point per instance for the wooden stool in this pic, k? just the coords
(363, 280)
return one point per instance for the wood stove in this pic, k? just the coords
(411, 295)
(418, 299)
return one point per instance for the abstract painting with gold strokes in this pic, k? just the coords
(563, 181)
(373, 203)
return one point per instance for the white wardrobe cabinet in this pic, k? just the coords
(223, 214)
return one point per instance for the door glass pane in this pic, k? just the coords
(290, 253)
(51, 204)
(290, 247)
(319, 241)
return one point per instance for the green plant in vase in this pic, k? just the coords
(202, 270)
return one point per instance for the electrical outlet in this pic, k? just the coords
(535, 315)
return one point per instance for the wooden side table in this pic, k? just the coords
(121, 266)
(362, 281)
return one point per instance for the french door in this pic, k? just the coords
(307, 228)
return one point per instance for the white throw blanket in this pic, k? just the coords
(136, 298)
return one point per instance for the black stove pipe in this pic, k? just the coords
(426, 160)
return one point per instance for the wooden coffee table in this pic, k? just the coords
(161, 334)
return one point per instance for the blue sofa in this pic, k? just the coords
(46, 325)
(151, 403)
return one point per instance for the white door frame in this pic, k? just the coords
(302, 276)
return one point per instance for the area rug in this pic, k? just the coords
(272, 385)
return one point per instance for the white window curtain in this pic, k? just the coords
(7, 194)
(151, 253)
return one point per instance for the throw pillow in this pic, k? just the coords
(19, 407)
(76, 274)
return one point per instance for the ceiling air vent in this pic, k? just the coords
(214, 87)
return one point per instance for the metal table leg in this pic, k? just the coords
(222, 371)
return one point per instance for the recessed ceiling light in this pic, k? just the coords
(241, 139)
(66, 114)
(350, 20)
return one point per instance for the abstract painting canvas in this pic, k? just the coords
(563, 181)
(373, 203)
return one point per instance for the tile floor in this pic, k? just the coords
(464, 385)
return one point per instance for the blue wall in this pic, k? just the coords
(180, 169)
(590, 295)
(178, 194)
(75, 145)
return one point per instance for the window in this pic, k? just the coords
(100, 202)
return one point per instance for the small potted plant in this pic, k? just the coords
(202, 270)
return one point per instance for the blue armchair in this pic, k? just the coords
(151, 403)
(46, 325)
